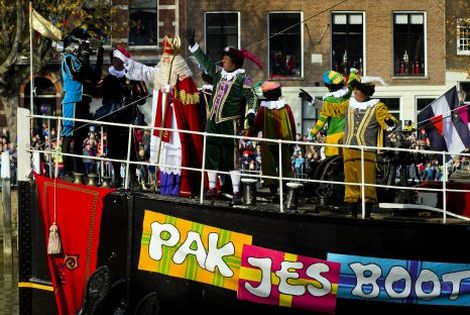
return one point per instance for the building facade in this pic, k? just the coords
(404, 42)
(401, 41)
(458, 47)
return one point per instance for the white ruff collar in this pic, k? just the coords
(118, 74)
(362, 105)
(209, 87)
(273, 104)
(230, 75)
(340, 93)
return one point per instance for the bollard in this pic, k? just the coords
(78, 178)
(293, 195)
(92, 179)
(249, 191)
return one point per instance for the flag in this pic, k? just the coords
(78, 216)
(44, 27)
(445, 123)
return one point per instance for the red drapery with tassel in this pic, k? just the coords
(78, 216)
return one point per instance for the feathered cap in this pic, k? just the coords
(171, 46)
(238, 56)
(332, 77)
(366, 84)
(124, 52)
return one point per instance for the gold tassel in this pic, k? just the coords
(54, 244)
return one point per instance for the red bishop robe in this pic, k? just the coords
(184, 98)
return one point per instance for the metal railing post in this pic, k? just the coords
(203, 167)
(129, 145)
(58, 151)
(363, 188)
(281, 191)
(444, 189)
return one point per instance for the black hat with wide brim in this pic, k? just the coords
(235, 55)
(366, 88)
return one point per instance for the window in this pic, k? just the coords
(408, 44)
(463, 36)
(285, 44)
(142, 22)
(221, 31)
(421, 103)
(347, 47)
(465, 92)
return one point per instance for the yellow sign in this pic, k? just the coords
(190, 250)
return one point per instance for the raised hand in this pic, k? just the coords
(189, 34)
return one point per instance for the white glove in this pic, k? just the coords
(353, 70)
(167, 88)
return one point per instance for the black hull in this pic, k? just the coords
(312, 235)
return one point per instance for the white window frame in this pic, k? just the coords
(301, 44)
(364, 37)
(462, 24)
(425, 30)
(417, 97)
(141, 47)
(219, 12)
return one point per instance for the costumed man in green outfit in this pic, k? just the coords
(365, 122)
(232, 100)
(276, 121)
(335, 104)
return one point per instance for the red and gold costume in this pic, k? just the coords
(175, 105)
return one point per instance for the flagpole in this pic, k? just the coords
(31, 82)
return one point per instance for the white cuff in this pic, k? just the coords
(250, 111)
(194, 48)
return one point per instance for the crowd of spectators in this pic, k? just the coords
(10, 147)
(303, 159)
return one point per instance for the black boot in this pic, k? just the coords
(68, 161)
(353, 207)
(368, 210)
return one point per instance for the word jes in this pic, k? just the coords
(288, 278)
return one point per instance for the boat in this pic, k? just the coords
(306, 254)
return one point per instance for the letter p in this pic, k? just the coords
(157, 241)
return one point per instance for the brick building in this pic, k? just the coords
(403, 42)
(458, 46)
(400, 41)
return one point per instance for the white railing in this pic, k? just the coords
(280, 178)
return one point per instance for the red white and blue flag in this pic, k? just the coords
(446, 123)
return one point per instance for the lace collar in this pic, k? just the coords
(338, 94)
(362, 105)
(209, 87)
(230, 75)
(118, 74)
(273, 104)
